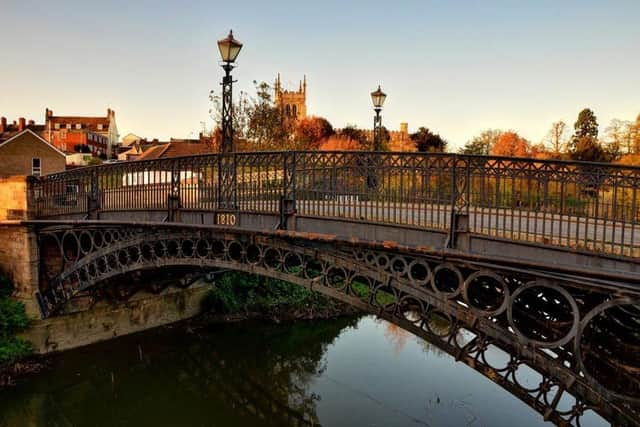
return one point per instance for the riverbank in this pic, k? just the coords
(233, 298)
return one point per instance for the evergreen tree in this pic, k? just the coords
(427, 141)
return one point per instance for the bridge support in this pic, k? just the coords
(173, 208)
(459, 232)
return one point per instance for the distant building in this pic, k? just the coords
(97, 135)
(27, 153)
(399, 140)
(129, 139)
(293, 104)
(9, 130)
(177, 148)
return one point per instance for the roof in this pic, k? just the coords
(177, 149)
(89, 123)
(29, 131)
(12, 131)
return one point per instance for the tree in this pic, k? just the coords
(256, 119)
(588, 149)
(481, 144)
(266, 128)
(556, 139)
(427, 141)
(355, 134)
(512, 145)
(309, 132)
(584, 143)
(340, 143)
(618, 138)
(585, 126)
(635, 136)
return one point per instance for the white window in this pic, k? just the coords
(36, 170)
(68, 126)
(78, 126)
(57, 126)
(99, 126)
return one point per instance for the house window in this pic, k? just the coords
(57, 126)
(36, 170)
(99, 126)
(68, 126)
(78, 126)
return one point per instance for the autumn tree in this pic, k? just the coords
(511, 144)
(266, 129)
(618, 138)
(428, 141)
(357, 135)
(482, 144)
(340, 143)
(255, 118)
(556, 139)
(309, 132)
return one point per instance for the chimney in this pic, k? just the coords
(3, 124)
(21, 124)
(31, 122)
(48, 113)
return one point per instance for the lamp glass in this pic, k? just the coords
(229, 48)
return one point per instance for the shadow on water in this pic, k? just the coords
(335, 373)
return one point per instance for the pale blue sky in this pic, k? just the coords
(457, 67)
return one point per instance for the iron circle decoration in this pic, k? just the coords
(457, 274)
(570, 300)
(578, 346)
(70, 238)
(414, 275)
(505, 292)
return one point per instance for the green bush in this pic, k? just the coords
(237, 292)
(12, 320)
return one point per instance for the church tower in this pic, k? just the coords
(292, 103)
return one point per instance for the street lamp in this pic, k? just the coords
(229, 50)
(377, 97)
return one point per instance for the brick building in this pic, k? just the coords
(9, 130)
(95, 135)
(27, 153)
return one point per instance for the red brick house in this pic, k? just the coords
(96, 135)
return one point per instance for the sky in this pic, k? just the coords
(456, 67)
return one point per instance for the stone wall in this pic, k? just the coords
(14, 198)
(105, 321)
(19, 262)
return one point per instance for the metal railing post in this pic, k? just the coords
(288, 197)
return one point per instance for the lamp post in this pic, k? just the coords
(229, 50)
(227, 182)
(377, 97)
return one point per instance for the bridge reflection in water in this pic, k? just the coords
(342, 373)
(538, 260)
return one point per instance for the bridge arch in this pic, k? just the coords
(469, 309)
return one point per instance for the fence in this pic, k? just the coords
(576, 205)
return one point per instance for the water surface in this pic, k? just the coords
(349, 372)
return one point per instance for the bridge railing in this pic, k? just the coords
(576, 205)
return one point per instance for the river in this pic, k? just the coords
(348, 372)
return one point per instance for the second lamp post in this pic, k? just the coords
(378, 98)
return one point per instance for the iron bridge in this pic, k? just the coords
(516, 267)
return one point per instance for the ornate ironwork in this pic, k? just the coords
(226, 145)
(572, 205)
(578, 340)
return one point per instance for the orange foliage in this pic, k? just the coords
(339, 143)
(310, 131)
(630, 160)
(397, 336)
(512, 145)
